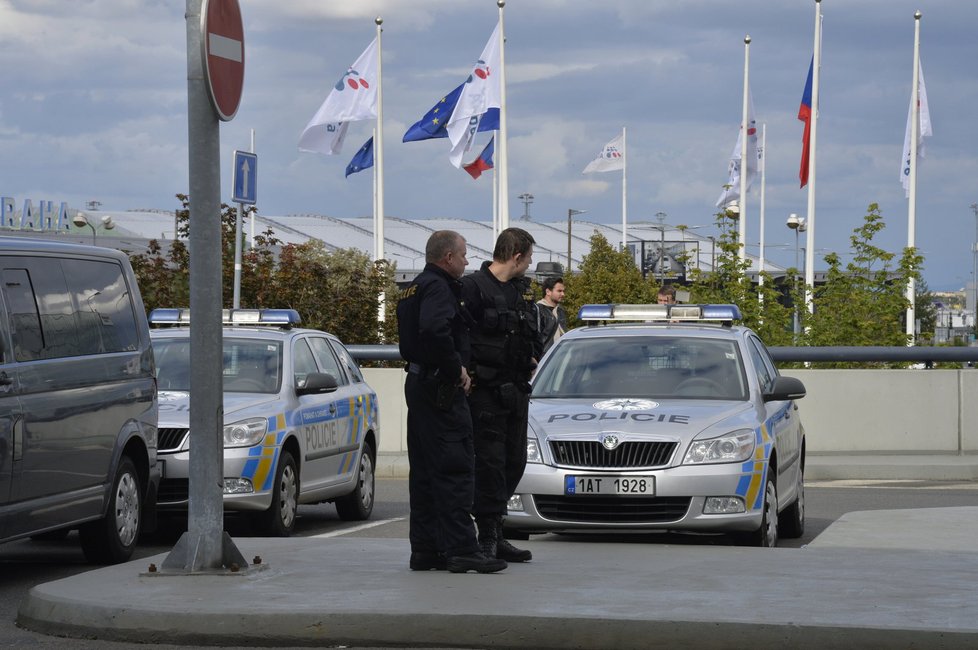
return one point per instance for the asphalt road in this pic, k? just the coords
(26, 563)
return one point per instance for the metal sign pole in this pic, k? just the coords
(205, 545)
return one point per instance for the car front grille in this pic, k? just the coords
(170, 439)
(173, 490)
(611, 509)
(591, 453)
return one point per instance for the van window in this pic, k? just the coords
(26, 322)
(67, 308)
(101, 302)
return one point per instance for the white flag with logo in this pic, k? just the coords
(731, 190)
(480, 92)
(611, 158)
(353, 98)
(923, 115)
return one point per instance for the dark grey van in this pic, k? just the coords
(78, 406)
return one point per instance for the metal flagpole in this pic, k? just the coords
(495, 203)
(379, 152)
(742, 240)
(810, 221)
(762, 160)
(912, 205)
(501, 144)
(624, 191)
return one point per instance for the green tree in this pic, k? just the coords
(606, 275)
(761, 304)
(338, 291)
(863, 302)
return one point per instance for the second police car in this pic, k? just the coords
(679, 421)
(301, 424)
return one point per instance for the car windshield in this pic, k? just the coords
(250, 365)
(663, 367)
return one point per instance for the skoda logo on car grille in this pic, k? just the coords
(610, 441)
(625, 404)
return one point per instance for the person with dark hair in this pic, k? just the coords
(666, 295)
(505, 348)
(553, 317)
(434, 340)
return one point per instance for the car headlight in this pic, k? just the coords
(245, 433)
(533, 451)
(732, 448)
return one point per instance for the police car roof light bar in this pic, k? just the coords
(169, 316)
(660, 313)
(273, 317)
(267, 317)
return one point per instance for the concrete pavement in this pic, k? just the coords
(894, 579)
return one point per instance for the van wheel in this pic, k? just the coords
(279, 519)
(357, 505)
(767, 535)
(113, 538)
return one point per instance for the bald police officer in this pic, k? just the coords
(434, 340)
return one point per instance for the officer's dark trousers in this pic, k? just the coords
(441, 479)
(500, 448)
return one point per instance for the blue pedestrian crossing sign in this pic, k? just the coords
(245, 177)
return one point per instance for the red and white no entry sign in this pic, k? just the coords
(222, 37)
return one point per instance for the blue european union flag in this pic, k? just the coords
(362, 159)
(435, 121)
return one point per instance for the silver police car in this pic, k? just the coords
(301, 424)
(679, 421)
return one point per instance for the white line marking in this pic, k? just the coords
(224, 47)
(356, 529)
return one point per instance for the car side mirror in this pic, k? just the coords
(785, 388)
(316, 383)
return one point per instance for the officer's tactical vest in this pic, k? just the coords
(501, 341)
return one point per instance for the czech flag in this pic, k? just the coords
(805, 115)
(483, 162)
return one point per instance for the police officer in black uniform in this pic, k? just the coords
(434, 341)
(505, 348)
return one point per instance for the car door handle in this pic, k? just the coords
(5, 380)
(332, 409)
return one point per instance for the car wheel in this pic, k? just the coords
(279, 519)
(357, 505)
(792, 519)
(767, 535)
(113, 538)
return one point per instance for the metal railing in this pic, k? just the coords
(838, 354)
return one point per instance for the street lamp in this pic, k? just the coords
(106, 223)
(527, 199)
(661, 216)
(797, 224)
(570, 215)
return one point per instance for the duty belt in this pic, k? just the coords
(417, 369)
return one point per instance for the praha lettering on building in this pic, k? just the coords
(40, 218)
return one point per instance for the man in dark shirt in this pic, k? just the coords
(434, 340)
(505, 349)
(553, 317)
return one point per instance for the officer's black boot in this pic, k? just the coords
(488, 535)
(505, 550)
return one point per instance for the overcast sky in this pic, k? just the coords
(94, 105)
